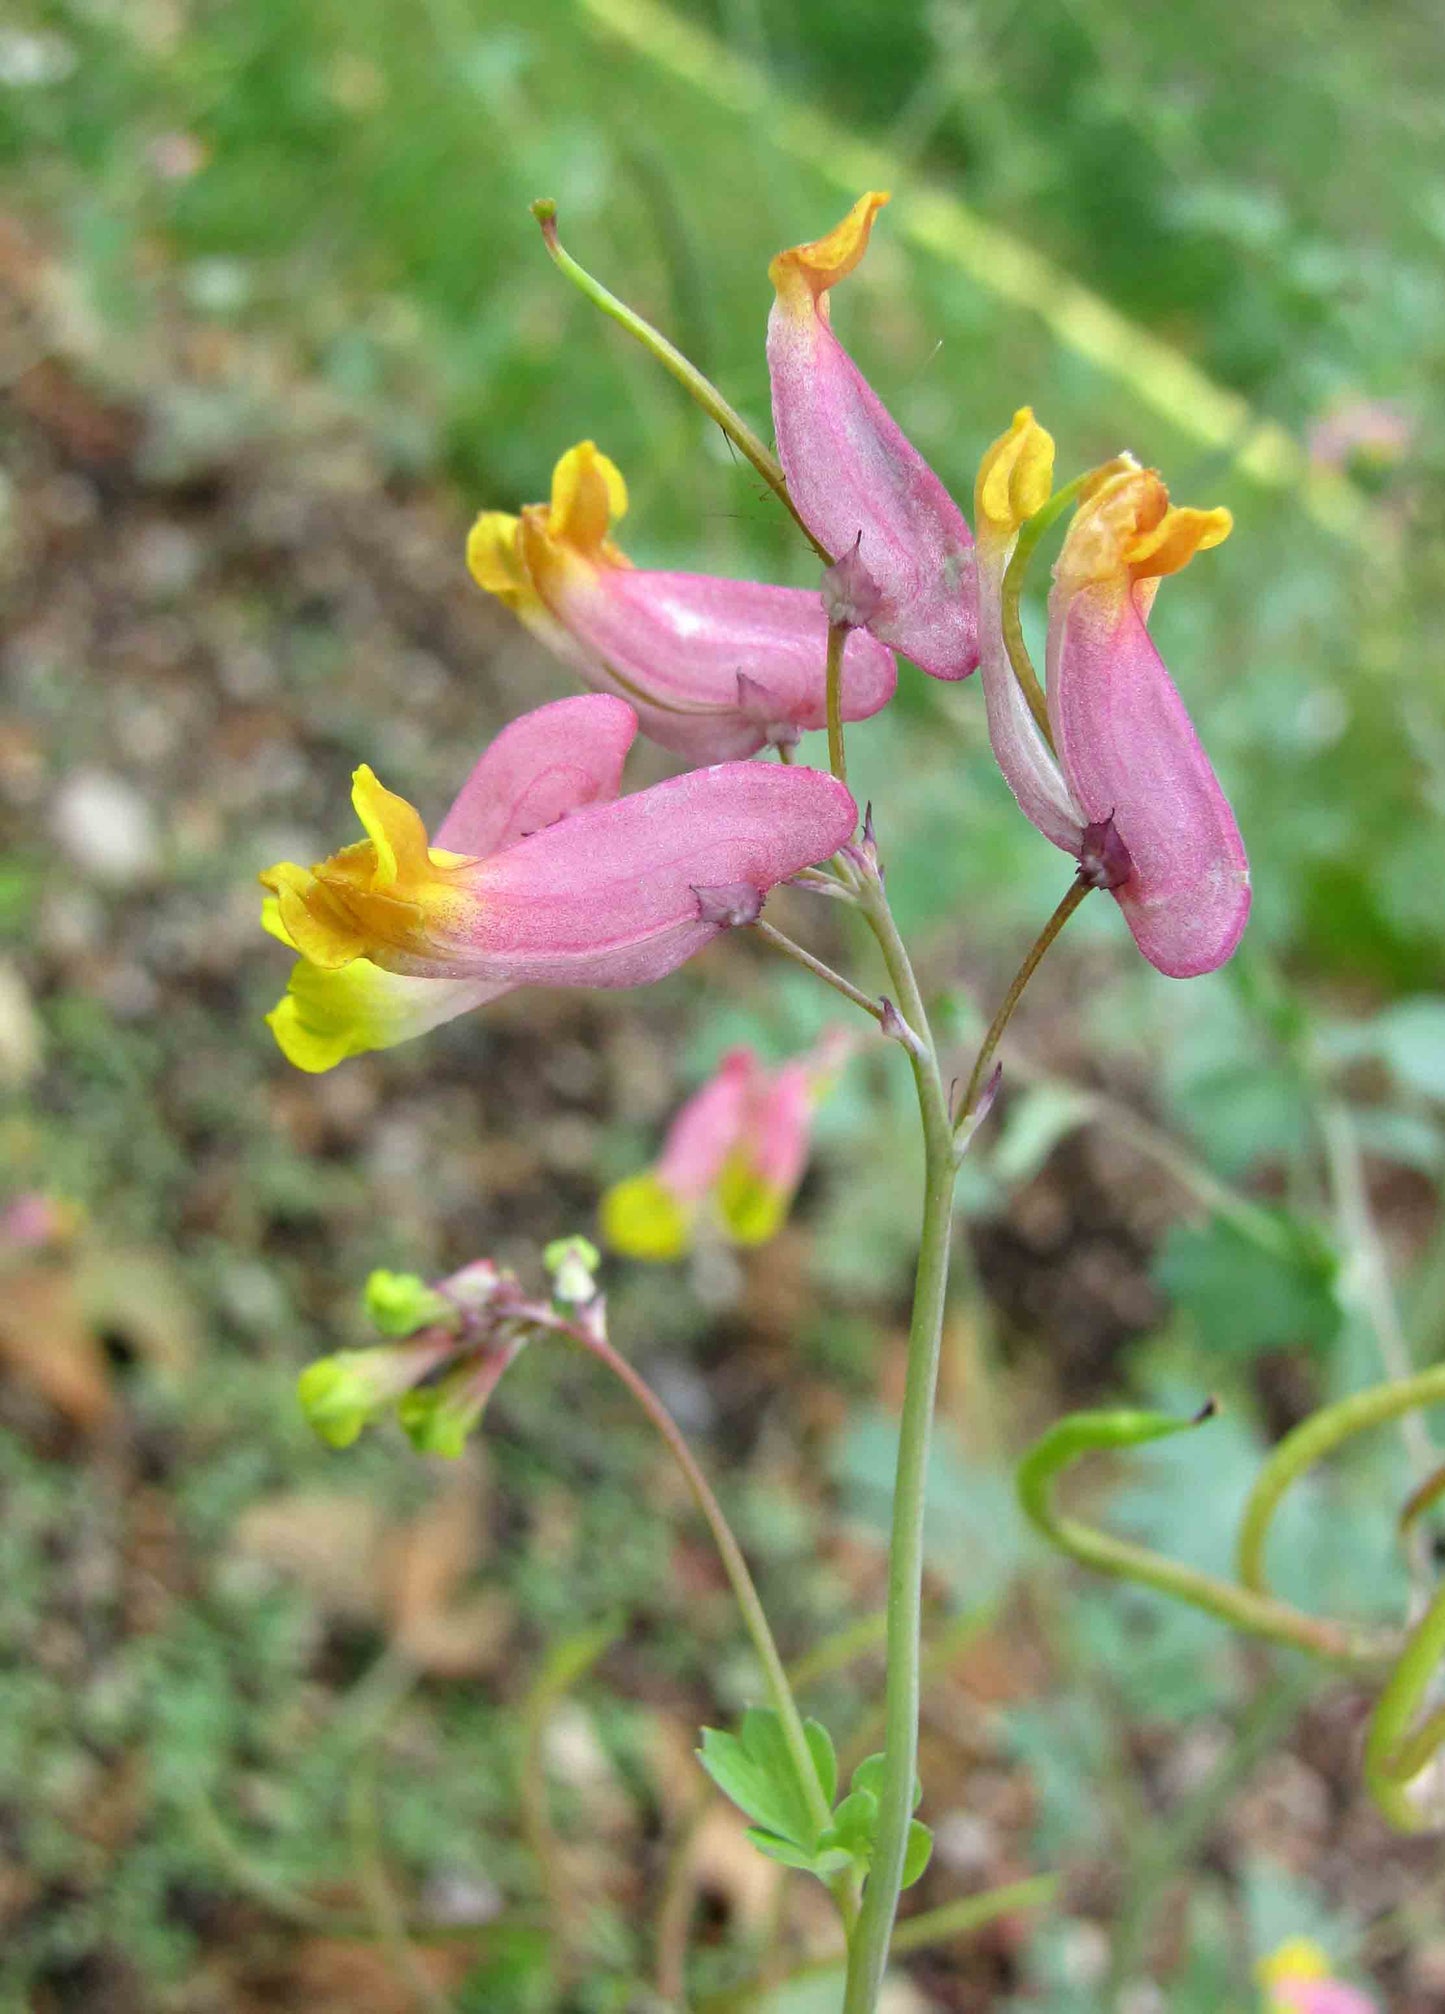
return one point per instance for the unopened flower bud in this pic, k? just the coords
(344, 1393)
(401, 1303)
(437, 1418)
(572, 1263)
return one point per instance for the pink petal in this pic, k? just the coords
(1321, 1996)
(706, 1128)
(780, 1124)
(1020, 750)
(542, 766)
(1127, 747)
(607, 897)
(851, 469)
(675, 645)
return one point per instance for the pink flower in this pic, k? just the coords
(538, 878)
(733, 1157)
(1126, 788)
(1296, 1980)
(714, 669)
(853, 473)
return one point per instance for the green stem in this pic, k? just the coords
(1255, 1613)
(970, 1913)
(1076, 892)
(741, 1581)
(868, 1949)
(837, 639)
(1030, 532)
(1395, 1752)
(781, 942)
(701, 389)
(1318, 1436)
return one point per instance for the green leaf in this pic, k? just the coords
(854, 1825)
(755, 1769)
(870, 1774)
(791, 1854)
(917, 1853)
(1245, 1297)
(825, 1757)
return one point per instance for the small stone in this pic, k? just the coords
(105, 826)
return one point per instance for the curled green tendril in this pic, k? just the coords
(1255, 1613)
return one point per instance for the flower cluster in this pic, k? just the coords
(543, 874)
(732, 1160)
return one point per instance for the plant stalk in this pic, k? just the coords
(868, 1948)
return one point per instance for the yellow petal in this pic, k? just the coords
(588, 495)
(1127, 529)
(395, 830)
(806, 272)
(644, 1220)
(1296, 1962)
(752, 1210)
(495, 558)
(1015, 477)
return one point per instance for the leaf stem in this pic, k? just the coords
(740, 1579)
(781, 942)
(699, 388)
(1311, 1441)
(1245, 1608)
(1395, 1752)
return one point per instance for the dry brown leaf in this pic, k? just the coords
(48, 1343)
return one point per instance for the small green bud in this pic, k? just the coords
(573, 1264)
(401, 1303)
(336, 1399)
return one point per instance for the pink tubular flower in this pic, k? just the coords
(1126, 788)
(1296, 1980)
(715, 669)
(734, 1155)
(853, 473)
(538, 878)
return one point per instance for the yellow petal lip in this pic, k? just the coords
(1126, 529)
(588, 495)
(1298, 1961)
(494, 558)
(1015, 477)
(752, 1209)
(805, 272)
(377, 895)
(642, 1219)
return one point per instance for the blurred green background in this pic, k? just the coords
(274, 322)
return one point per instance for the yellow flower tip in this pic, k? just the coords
(308, 1048)
(398, 837)
(494, 558)
(271, 918)
(309, 917)
(1299, 1961)
(1126, 529)
(805, 273)
(753, 1210)
(642, 1219)
(1015, 477)
(588, 496)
